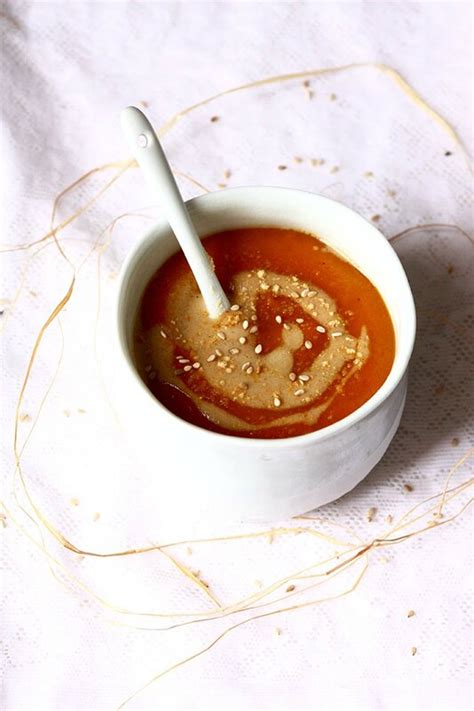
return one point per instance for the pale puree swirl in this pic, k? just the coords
(232, 360)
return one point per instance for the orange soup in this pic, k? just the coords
(307, 341)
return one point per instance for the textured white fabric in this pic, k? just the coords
(67, 69)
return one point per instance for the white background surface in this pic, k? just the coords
(67, 69)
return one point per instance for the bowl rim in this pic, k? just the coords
(396, 374)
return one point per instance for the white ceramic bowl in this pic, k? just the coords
(202, 473)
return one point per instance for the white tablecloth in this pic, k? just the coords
(67, 70)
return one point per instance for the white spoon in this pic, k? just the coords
(149, 155)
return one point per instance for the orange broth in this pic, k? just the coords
(290, 253)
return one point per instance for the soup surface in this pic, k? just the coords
(307, 341)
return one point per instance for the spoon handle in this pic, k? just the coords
(149, 155)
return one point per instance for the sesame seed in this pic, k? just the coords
(246, 365)
(300, 320)
(299, 392)
(308, 345)
(249, 370)
(218, 352)
(245, 324)
(187, 368)
(211, 358)
(196, 365)
(163, 334)
(234, 351)
(183, 361)
(221, 335)
(286, 327)
(254, 329)
(292, 377)
(305, 292)
(320, 329)
(278, 318)
(294, 294)
(253, 317)
(242, 340)
(258, 348)
(312, 293)
(304, 378)
(276, 401)
(336, 334)
(234, 307)
(371, 513)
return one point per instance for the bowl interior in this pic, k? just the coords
(343, 230)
